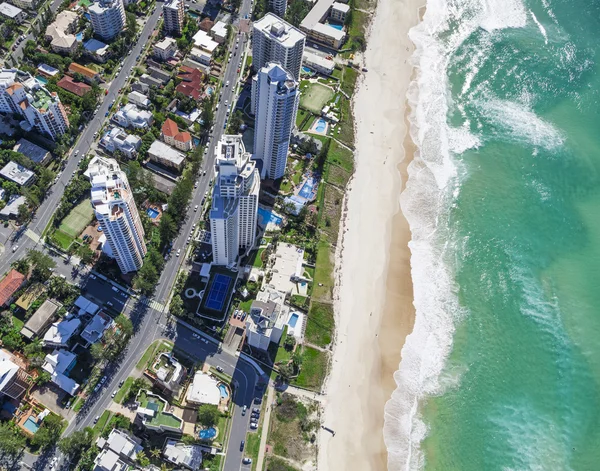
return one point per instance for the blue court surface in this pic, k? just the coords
(218, 292)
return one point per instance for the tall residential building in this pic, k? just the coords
(42, 110)
(277, 100)
(233, 216)
(173, 14)
(278, 7)
(274, 40)
(108, 18)
(116, 212)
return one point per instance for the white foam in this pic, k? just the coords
(430, 190)
(519, 123)
(540, 27)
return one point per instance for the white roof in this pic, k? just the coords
(220, 28)
(9, 10)
(56, 364)
(181, 454)
(59, 333)
(96, 327)
(279, 29)
(330, 31)
(17, 173)
(165, 43)
(7, 368)
(204, 41)
(312, 58)
(48, 70)
(341, 7)
(164, 151)
(316, 14)
(203, 390)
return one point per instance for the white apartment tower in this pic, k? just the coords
(116, 212)
(173, 14)
(108, 18)
(278, 7)
(23, 95)
(233, 215)
(277, 100)
(274, 40)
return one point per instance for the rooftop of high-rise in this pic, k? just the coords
(280, 30)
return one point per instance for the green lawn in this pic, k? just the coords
(78, 404)
(17, 323)
(62, 239)
(104, 418)
(277, 464)
(253, 445)
(166, 420)
(315, 97)
(314, 369)
(257, 262)
(123, 390)
(79, 217)
(346, 125)
(341, 156)
(320, 324)
(323, 272)
(349, 80)
(246, 305)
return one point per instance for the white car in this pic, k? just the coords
(178, 252)
(227, 84)
(196, 208)
(15, 247)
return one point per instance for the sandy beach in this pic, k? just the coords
(374, 311)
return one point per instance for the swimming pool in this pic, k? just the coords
(336, 26)
(31, 425)
(307, 190)
(306, 70)
(293, 320)
(42, 80)
(79, 37)
(321, 125)
(224, 392)
(152, 213)
(208, 433)
(210, 90)
(267, 216)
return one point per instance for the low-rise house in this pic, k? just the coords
(139, 99)
(200, 55)
(180, 454)
(318, 63)
(117, 139)
(9, 285)
(36, 325)
(140, 87)
(17, 173)
(219, 32)
(171, 135)
(266, 320)
(339, 11)
(159, 74)
(59, 333)
(152, 414)
(204, 389)
(14, 381)
(206, 24)
(60, 32)
(130, 116)
(97, 50)
(25, 4)
(32, 151)
(165, 49)
(47, 70)
(96, 327)
(11, 210)
(166, 156)
(77, 88)
(89, 75)
(202, 40)
(118, 452)
(12, 12)
(59, 363)
(192, 82)
(150, 81)
(85, 306)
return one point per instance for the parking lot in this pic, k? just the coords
(105, 294)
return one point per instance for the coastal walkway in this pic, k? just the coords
(265, 431)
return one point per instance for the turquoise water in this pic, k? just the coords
(223, 391)
(502, 371)
(266, 216)
(31, 425)
(321, 125)
(207, 433)
(293, 320)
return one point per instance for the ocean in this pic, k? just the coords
(502, 370)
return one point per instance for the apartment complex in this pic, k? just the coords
(21, 94)
(60, 32)
(11, 12)
(233, 216)
(165, 49)
(274, 40)
(173, 15)
(116, 212)
(276, 96)
(171, 134)
(317, 23)
(278, 7)
(108, 18)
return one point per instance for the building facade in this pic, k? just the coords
(108, 18)
(233, 216)
(42, 110)
(274, 40)
(277, 98)
(173, 15)
(116, 212)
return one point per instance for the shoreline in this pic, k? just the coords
(373, 297)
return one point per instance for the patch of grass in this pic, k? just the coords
(277, 464)
(315, 97)
(104, 418)
(62, 239)
(331, 212)
(253, 445)
(222, 428)
(346, 124)
(320, 324)
(309, 122)
(349, 78)
(123, 391)
(314, 369)
(337, 176)
(285, 187)
(78, 404)
(286, 433)
(79, 217)
(17, 323)
(299, 300)
(337, 73)
(257, 258)
(323, 272)
(301, 116)
(246, 305)
(341, 156)
(148, 354)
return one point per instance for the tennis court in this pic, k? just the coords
(218, 292)
(315, 97)
(77, 220)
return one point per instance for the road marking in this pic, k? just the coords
(156, 305)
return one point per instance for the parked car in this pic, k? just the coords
(244, 409)
(253, 425)
(242, 443)
(113, 394)
(247, 460)
(96, 419)
(220, 369)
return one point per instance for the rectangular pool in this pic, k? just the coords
(293, 320)
(31, 425)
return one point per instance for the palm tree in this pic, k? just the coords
(155, 453)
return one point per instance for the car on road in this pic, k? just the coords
(15, 247)
(178, 252)
(96, 419)
(242, 443)
(121, 383)
(103, 380)
(244, 409)
(220, 369)
(247, 460)
(106, 114)
(113, 394)
(204, 173)
(227, 83)
(189, 239)
(196, 208)
(196, 185)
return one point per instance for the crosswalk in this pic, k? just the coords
(153, 304)
(32, 235)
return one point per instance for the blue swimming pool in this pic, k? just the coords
(41, 79)
(336, 26)
(208, 433)
(307, 190)
(224, 392)
(152, 213)
(321, 125)
(31, 425)
(266, 216)
(210, 90)
(293, 320)
(306, 70)
(79, 37)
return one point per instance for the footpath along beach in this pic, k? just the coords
(374, 311)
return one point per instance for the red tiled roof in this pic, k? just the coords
(76, 68)
(188, 90)
(78, 88)
(192, 84)
(183, 136)
(9, 285)
(170, 128)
